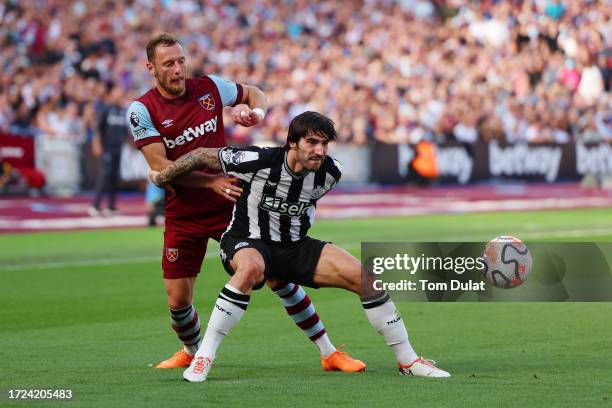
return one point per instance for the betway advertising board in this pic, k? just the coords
(465, 163)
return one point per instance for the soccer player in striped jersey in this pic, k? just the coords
(177, 116)
(267, 237)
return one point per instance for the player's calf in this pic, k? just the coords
(301, 310)
(184, 319)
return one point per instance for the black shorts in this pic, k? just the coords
(290, 262)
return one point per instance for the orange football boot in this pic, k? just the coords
(339, 361)
(178, 360)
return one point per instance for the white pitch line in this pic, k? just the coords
(350, 246)
(77, 263)
(211, 253)
(73, 223)
(359, 206)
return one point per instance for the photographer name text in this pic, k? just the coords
(424, 284)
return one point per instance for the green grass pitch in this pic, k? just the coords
(86, 311)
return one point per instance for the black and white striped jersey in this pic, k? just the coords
(276, 205)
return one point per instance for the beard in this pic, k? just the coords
(176, 88)
(314, 166)
(309, 163)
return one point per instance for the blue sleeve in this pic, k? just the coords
(140, 122)
(228, 90)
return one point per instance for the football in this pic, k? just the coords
(507, 262)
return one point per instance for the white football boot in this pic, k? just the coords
(198, 369)
(422, 367)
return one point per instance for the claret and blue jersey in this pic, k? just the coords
(183, 124)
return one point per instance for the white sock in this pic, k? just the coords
(210, 343)
(386, 320)
(325, 345)
(227, 312)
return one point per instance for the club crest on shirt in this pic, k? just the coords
(226, 156)
(207, 102)
(172, 254)
(318, 192)
(237, 157)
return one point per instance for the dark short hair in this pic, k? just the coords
(310, 122)
(163, 39)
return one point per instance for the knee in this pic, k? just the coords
(249, 275)
(178, 298)
(178, 301)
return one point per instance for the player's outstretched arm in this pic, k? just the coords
(198, 158)
(155, 154)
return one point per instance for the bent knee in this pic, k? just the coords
(179, 297)
(178, 301)
(250, 274)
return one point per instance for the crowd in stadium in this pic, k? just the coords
(392, 71)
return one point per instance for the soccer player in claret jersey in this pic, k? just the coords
(268, 237)
(179, 115)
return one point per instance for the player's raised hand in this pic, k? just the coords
(245, 116)
(225, 187)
